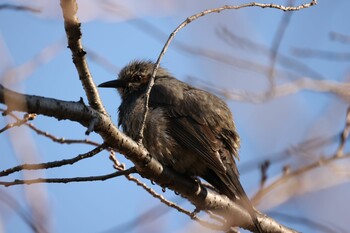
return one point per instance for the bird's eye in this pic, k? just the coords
(137, 78)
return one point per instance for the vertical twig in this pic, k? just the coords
(344, 135)
(277, 40)
(193, 18)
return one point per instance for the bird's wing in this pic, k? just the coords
(196, 124)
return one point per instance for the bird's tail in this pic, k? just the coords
(229, 185)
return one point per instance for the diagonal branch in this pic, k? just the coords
(340, 37)
(286, 61)
(10, 202)
(19, 122)
(200, 196)
(54, 163)
(170, 204)
(340, 89)
(302, 170)
(291, 174)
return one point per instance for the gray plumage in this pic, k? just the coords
(187, 129)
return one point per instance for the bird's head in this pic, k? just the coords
(134, 77)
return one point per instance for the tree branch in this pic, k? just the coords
(340, 89)
(154, 194)
(193, 18)
(7, 200)
(277, 40)
(18, 8)
(50, 136)
(72, 27)
(343, 38)
(256, 199)
(19, 122)
(287, 61)
(202, 197)
(69, 180)
(54, 163)
(321, 162)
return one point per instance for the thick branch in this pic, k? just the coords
(62, 110)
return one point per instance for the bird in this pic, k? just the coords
(187, 129)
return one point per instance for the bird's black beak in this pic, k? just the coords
(117, 83)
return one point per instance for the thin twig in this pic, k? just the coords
(61, 140)
(157, 34)
(193, 18)
(50, 136)
(321, 54)
(235, 61)
(315, 226)
(281, 156)
(18, 8)
(344, 135)
(340, 37)
(154, 194)
(121, 167)
(102, 61)
(286, 61)
(19, 122)
(216, 217)
(69, 180)
(9, 201)
(341, 89)
(53, 164)
(263, 168)
(321, 162)
(290, 174)
(141, 219)
(277, 40)
(174, 205)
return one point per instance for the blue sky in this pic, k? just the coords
(119, 36)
